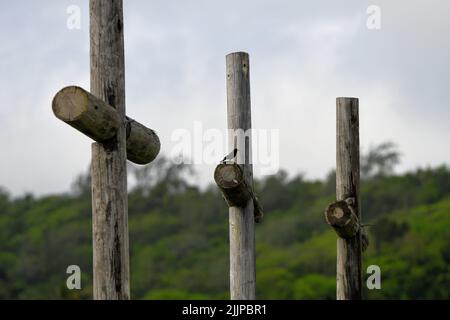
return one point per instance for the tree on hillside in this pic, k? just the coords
(81, 186)
(380, 160)
(164, 173)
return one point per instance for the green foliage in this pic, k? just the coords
(174, 294)
(380, 160)
(179, 237)
(314, 287)
(274, 283)
(386, 231)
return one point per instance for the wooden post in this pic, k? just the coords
(241, 219)
(349, 249)
(108, 169)
(101, 116)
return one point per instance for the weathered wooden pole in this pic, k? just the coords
(349, 247)
(108, 169)
(241, 219)
(100, 114)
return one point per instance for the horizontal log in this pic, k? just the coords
(100, 121)
(86, 113)
(143, 144)
(340, 215)
(230, 180)
(235, 191)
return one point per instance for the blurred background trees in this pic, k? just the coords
(179, 235)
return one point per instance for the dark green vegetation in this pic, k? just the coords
(179, 236)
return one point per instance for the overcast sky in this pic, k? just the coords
(303, 54)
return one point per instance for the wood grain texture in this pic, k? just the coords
(230, 180)
(100, 121)
(143, 144)
(241, 219)
(108, 170)
(86, 113)
(235, 191)
(341, 216)
(349, 255)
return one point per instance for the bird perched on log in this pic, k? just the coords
(230, 156)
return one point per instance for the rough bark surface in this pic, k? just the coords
(342, 218)
(100, 121)
(349, 255)
(235, 191)
(108, 170)
(86, 113)
(241, 219)
(230, 180)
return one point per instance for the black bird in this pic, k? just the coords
(230, 156)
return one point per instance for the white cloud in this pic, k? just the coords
(302, 56)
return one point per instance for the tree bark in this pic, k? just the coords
(109, 174)
(230, 180)
(349, 264)
(241, 219)
(86, 113)
(143, 144)
(235, 191)
(341, 216)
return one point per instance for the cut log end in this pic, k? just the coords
(341, 216)
(230, 180)
(235, 191)
(228, 176)
(70, 103)
(101, 122)
(86, 113)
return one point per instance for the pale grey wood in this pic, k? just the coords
(341, 216)
(349, 255)
(86, 113)
(234, 188)
(143, 144)
(241, 219)
(100, 121)
(109, 174)
(231, 182)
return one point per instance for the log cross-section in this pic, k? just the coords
(235, 190)
(341, 216)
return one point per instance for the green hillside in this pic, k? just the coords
(179, 237)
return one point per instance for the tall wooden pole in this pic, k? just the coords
(108, 169)
(349, 256)
(241, 219)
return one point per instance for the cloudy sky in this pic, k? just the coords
(303, 54)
